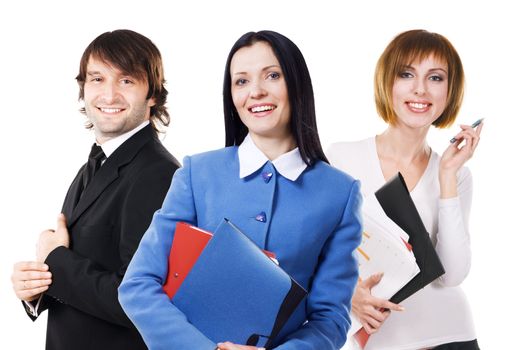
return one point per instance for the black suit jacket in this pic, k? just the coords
(105, 224)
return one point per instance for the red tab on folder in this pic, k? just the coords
(410, 248)
(189, 241)
(361, 337)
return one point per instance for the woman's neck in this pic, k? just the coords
(404, 151)
(404, 146)
(272, 148)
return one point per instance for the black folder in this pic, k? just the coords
(395, 199)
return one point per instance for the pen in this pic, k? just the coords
(474, 125)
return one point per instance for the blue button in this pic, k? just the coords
(261, 217)
(266, 176)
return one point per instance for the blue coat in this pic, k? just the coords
(312, 225)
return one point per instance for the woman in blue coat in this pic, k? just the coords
(274, 182)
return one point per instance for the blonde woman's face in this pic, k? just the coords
(420, 93)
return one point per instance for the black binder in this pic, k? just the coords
(395, 199)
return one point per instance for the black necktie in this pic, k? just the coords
(93, 164)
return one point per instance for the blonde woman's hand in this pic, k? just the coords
(369, 310)
(455, 156)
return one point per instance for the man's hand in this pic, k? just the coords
(52, 239)
(30, 279)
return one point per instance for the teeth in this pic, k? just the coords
(418, 105)
(110, 110)
(262, 108)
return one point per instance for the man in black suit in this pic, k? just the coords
(110, 203)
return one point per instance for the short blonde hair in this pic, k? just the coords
(409, 47)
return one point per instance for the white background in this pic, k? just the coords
(43, 142)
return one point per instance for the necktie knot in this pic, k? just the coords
(93, 164)
(96, 153)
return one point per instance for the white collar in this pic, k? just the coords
(290, 164)
(111, 145)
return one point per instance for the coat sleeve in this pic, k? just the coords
(34, 308)
(161, 324)
(329, 299)
(95, 292)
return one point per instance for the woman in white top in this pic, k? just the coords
(419, 82)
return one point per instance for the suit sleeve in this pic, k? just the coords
(328, 302)
(34, 308)
(95, 292)
(161, 324)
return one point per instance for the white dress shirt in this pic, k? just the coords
(112, 145)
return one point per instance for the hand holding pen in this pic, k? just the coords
(460, 150)
(474, 125)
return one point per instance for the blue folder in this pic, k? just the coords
(236, 293)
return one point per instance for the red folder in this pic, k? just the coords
(189, 241)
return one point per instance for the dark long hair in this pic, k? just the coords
(135, 55)
(300, 95)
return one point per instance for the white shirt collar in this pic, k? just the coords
(290, 164)
(110, 146)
